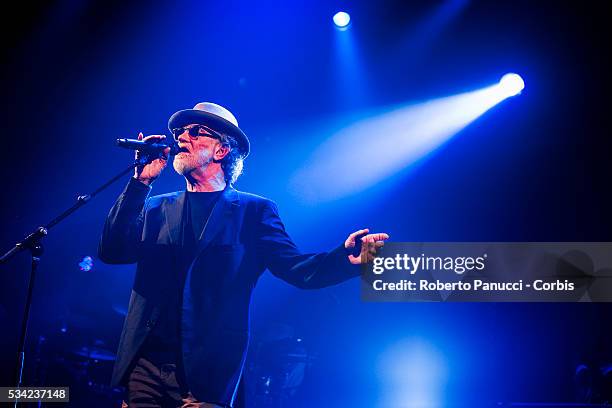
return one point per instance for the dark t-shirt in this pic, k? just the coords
(162, 345)
(200, 206)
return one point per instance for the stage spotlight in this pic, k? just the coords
(342, 19)
(413, 373)
(511, 84)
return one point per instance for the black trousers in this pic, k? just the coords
(151, 385)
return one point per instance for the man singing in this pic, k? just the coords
(200, 253)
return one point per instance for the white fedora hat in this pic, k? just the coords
(215, 116)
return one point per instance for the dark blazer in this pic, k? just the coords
(244, 236)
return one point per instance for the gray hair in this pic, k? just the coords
(233, 163)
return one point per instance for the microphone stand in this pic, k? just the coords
(33, 243)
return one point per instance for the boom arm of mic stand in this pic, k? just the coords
(40, 232)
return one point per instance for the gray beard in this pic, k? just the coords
(187, 165)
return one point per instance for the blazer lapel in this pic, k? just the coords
(221, 215)
(174, 217)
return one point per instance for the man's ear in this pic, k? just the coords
(221, 151)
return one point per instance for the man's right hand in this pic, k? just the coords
(149, 172)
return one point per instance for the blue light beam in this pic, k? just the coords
(351, 79)
(369, 150)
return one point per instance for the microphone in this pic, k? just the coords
(149, 148)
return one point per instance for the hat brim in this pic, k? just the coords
(189, 116)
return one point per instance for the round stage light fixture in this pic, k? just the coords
(511, 84)
(342, 19)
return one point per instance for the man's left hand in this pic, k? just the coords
(369, 245)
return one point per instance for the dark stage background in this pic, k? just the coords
(76, 75)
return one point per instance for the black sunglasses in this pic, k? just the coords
(195, 132)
